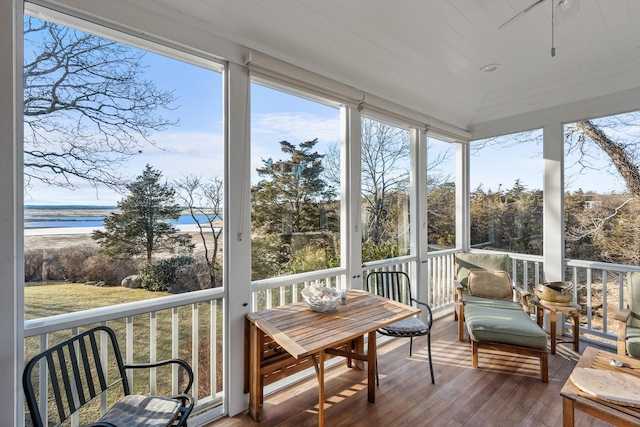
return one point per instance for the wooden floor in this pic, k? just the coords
(504, 391)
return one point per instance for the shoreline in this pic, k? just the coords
(62, 231)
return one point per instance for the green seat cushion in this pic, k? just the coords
(465, 262)
(490, 302)
(513, 327)
(633, 341)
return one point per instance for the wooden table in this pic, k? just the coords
(573, 398)
(572, 309)
(305, 334)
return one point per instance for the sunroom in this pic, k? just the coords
(442, 127)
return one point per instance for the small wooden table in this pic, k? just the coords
(573, 398)
(572, 309)
(301, 333)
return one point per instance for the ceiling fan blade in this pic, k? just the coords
(522, 12)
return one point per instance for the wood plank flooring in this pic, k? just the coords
(505, 391)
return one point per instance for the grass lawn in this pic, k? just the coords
(51, 299)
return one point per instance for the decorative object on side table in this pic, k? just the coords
(555, 293)
(321, 298)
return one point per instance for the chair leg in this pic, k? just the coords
(410, 345)
(433, 381)
(377, 377)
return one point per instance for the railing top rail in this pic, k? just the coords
(273, 282)
(601, 265)
(59, 322)
(512, 255)
(389, 262)
(444, 252)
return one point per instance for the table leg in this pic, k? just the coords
(567, 412)
(552, 321)
(371, 366)
(321, 389)
(359, 348)
(576, 331)
(255, 381)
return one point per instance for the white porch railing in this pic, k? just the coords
(188, 326)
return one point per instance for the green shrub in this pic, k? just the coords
(73, 261)
(100, 267)
(33, 265)
(160, 276)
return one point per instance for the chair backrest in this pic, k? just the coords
(633, 279)
(76, 372)
(394, 285)
(467, 261)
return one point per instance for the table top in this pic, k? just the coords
(600, 359)
(302, 332)
(572, 307)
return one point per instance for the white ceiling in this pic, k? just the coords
(427, 54)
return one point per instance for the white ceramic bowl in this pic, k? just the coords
(322, 298)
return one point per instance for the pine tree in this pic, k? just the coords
(142, 226)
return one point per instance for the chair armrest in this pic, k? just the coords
(459, 289)
(187, 400)
(180, 362)
(425, 305)
(99, 424)
(524, 296)
(623, 315)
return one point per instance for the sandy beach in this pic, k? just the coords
(55, 238)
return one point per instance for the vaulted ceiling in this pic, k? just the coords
(427, 54)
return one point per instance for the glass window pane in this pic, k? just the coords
(506, 193)
(602, 189)
(441, 194)
(385, 190)
(295, 184)
(115, 127)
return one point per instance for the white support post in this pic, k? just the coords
(237, 231)
(350, 181)
(418, 213)
(553, 199)
(463, 204)
(553, 211)
(11, 214)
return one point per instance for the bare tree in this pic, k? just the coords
(204, 199)
(88, 107)
(621, 151)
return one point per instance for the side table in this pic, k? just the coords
(572, 309)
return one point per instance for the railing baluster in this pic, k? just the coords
(194, 350)
(43, 384)
(213, 348)
(589, 298)
(153, 326)
(175, 327)
(604, 301)
(129, 349)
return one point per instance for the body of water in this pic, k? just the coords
(75, 216)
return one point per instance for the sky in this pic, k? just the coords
(195, 146)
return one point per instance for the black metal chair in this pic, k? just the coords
(396, 285)
(77, 373)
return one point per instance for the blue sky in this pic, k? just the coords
(195, 146)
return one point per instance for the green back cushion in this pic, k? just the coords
(465, 262)
(633, 280)
(494, 284)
